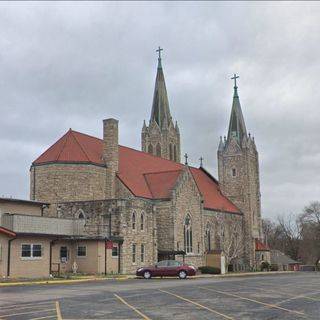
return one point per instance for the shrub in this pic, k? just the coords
(210, 270)
(274, 267)
(265, 265)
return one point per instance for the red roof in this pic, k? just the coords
(260, 246)
(7, 232)
(143, 174)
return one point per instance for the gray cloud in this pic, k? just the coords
(71, 65)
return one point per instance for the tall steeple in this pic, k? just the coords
(237, 127)
(161, 137)
(238, 167)
(160, 112)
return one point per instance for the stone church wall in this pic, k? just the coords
(165, 225)
(98, 215)
(215, 222)
(67, 182)
(187, 200)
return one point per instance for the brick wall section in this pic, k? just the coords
(67, 182)
(97, 215)
(111, 155)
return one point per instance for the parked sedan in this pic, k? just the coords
(167, 268)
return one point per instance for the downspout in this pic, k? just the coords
(9, 256)
(34, 183)
(119, 252)
(50, 257)
(105, 256)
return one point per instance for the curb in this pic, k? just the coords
(52, 282)
(132, 277)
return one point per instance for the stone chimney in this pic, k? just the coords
(111, 155)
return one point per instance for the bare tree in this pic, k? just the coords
(310, 233)
(288, 235)
(231, 240)
(268, 229)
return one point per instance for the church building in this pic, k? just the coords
(146, 205)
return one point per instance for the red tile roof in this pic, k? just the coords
(7, 232)
(260, 246)
(143, 174)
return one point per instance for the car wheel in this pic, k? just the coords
(147, 274)
(182, 274)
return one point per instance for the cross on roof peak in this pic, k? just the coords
(201, 161)
(186, 159)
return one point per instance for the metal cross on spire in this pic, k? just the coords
(186, 159)
(159, 52)
(201, 162)
(235, 77)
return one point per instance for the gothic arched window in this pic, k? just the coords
(133, 220)
(171, 152)
(208, 238)
(150, 148)
(81, 214)
(158, 150)
(175, 153)
(187, 234)
(142, 221)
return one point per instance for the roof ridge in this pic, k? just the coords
(75, 138)
(151, 155)
(64, 144)
(85, 134)
(148, 185)
(160, 172)
(50, 148)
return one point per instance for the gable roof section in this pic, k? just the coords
(260, 246)
(161, 183)
(210, 190)
(143, 174)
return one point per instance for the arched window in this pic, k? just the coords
(81, 214)
(158, 150)
(170, 152)
(142, 221)
(150, 148)
(174, 153)
(208, 238)
(133, 220)
(187, 234)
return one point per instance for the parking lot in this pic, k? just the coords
(289, 296)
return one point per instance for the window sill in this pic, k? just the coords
(30, 258)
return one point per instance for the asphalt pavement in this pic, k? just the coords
(283, 296)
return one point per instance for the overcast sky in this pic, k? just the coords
(73, 64)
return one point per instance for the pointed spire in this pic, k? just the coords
(160, 106)
(144, 127)
(177, 127)
(237, 127)
(221, 144)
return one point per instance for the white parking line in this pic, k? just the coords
(255, 301)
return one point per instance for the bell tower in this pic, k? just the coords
(238, 167)
(161, 137)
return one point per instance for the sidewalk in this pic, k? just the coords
(127, 277)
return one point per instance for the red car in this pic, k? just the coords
(167, 268)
